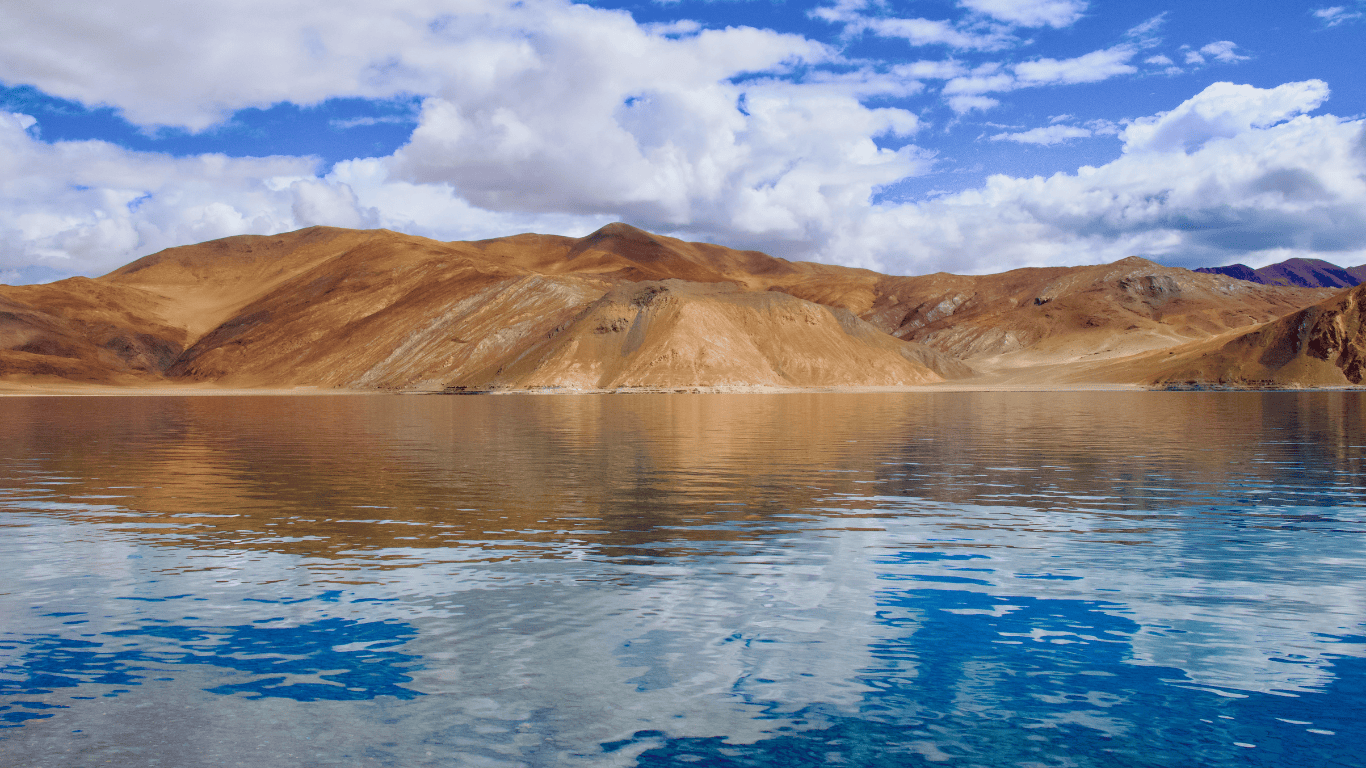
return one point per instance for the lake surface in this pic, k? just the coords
(955, 579)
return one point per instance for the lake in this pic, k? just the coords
(950, 579)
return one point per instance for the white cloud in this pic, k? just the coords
(964, 104)
(679, 27)
(1222, 110)
(1030, 13)
(1103, 127)
(930, 32)
(1159, 60)
(196, 64)
(930, 70)
(88, 207)
(1047, 136)
(1088, 68)
(852, 14)
(1223, 51)
(776, 162)
(354, 122)
(83, 207)
(548, 116)
(1336, 15)
(1147, 28)
(1271, 180)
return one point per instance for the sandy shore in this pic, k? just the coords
(8, 389)
(77, 390)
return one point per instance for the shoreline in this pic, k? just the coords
(207, 390)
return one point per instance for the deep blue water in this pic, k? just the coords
(970, 579)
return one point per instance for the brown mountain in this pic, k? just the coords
(1304, 273)
(1040, 326)
(621, 307)
(1321, 345)
(339, 308)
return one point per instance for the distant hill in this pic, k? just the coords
(619, 308)
(1304, 273)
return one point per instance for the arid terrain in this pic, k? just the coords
(622, 309)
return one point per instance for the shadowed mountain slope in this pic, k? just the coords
(87, 331)
(1321, 345)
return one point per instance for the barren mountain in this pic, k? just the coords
(1321, 345)
(619, 308)
(1039, 319)
(338, 308)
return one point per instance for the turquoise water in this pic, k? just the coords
(971, 579)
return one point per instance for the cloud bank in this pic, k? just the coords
(542, 115)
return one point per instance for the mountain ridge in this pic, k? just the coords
(1304, 273)
(619, 308)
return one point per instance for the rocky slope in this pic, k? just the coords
(1321, 345)
(619, 308)
(1043, 318)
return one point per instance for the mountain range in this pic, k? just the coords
(623, 309)
(1305, 273)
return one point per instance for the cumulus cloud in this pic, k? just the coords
(777, 162)
(88, 207)
(535, 110)
(256, 53)
(542, 115)
(1222, 110)
(1234, 173)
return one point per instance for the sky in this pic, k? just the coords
(967, 136)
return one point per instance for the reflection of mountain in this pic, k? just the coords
(721, 576)
(365, 473)
(620, 308)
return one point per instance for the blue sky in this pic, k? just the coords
(960, 135)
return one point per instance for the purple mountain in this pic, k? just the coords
(1305, 273)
